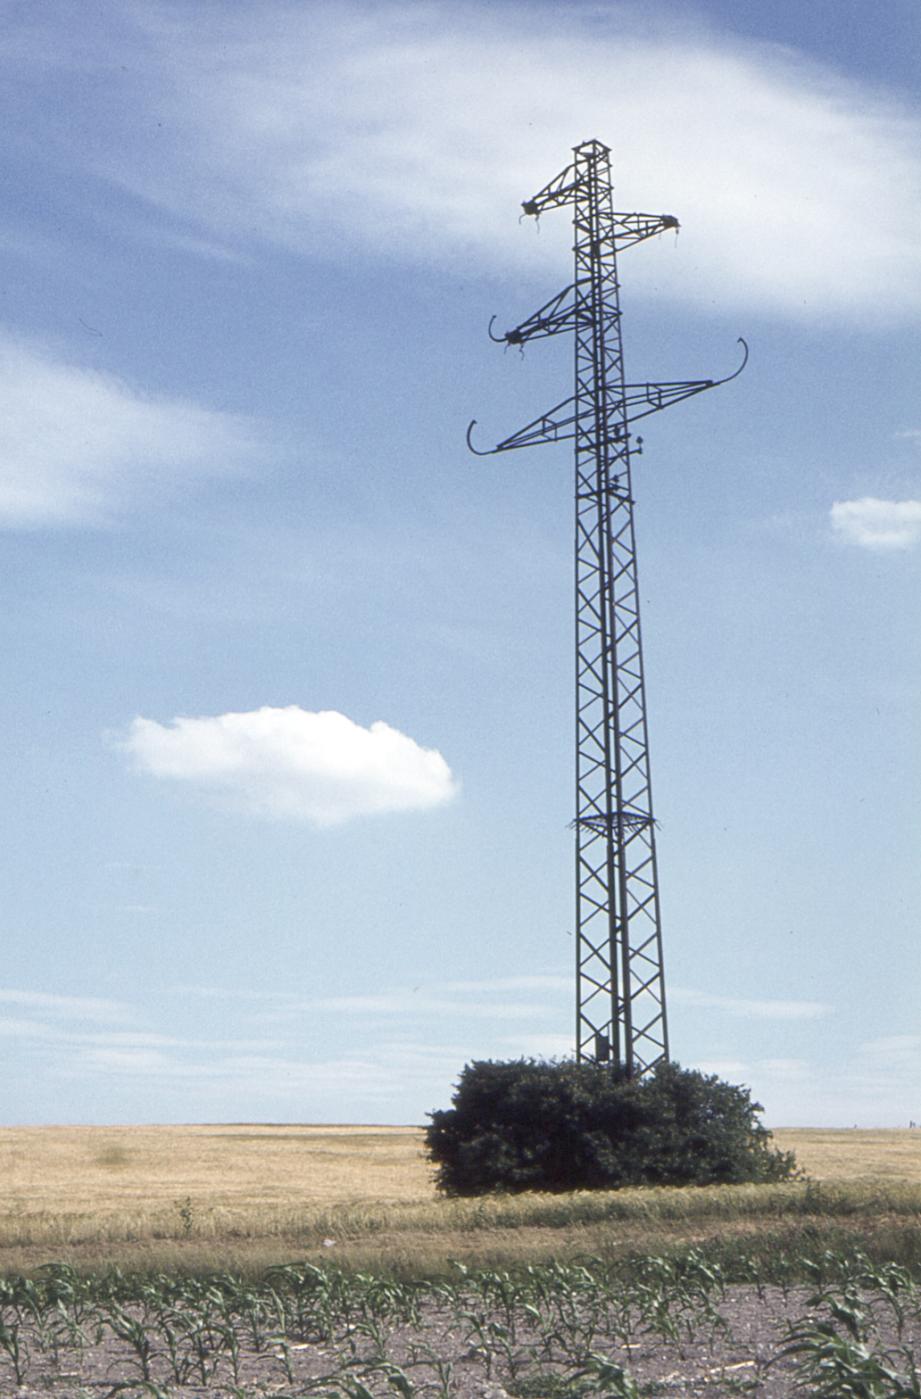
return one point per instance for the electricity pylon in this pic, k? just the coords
(620, 986)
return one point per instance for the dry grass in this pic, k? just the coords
(247, 1195)
(106, 1170)
(842, 1154)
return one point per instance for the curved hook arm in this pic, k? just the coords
(476, 451)
(736, 372)
(496, 339)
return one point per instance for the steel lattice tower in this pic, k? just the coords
(620, 987)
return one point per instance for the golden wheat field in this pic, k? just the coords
(244, 1195)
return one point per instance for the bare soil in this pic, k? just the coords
(735, 1349)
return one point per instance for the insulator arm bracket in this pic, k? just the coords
(638, 401)
(636, 228)
(557, 192)
(553, 318)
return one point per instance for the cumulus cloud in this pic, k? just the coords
(78, 446)
(279, 123)
(290, 763)
(878, 524)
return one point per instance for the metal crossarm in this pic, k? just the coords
(562, 189)
(620, 987)
(638, 401)
(636, 228)
(553, 317)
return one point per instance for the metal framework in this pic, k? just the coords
(620, 987)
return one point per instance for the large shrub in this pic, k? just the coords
(532, 1125)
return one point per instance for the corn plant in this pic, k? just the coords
(133, 1331)
(836, 1366)
(13, 1343)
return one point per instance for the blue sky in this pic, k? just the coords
(287, 700)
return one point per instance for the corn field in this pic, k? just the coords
(845, 1326)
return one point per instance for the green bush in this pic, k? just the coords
(532, 1125)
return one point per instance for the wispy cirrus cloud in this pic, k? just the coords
(498, 999)
(19, 1028)
(457, 993)
(81, 447)
(49, 1003)
(538, 981)
(407, 1003)
(494, 999)
(874, 1084)
(288, 1071)
(777, 166)
(898, 1048)
(880, 525)
(284, 1082)
(757, 1008)
(294, 764)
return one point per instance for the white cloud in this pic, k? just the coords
(281, 124)
(896, 1047)
(547, 1045)
(78, 446)
(69, 1007)
(234, 993)
(341, 1088)
(760, 1009)
(875, 1084)
(794, 1069)
(455, 1000)
(878, 524)
(17, 1029)
(541, 981)
(291, 763)
(731, 1069)
(401, 1074)
(406, 1004)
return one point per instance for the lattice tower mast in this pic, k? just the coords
(620, 988)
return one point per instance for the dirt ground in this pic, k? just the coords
(736, 1349)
